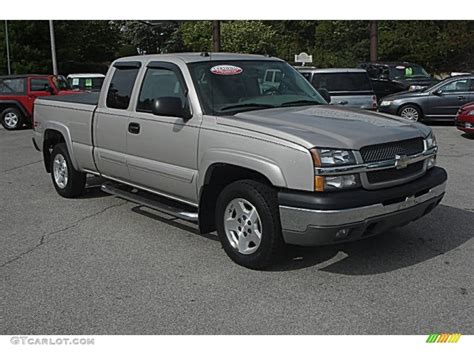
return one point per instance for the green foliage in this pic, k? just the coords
(92, 45)
(236, 36)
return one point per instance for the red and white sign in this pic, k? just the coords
(226, 70)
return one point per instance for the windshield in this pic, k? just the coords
(229, 87)
(61, 83)
(408, 71)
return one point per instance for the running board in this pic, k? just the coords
(136, 197)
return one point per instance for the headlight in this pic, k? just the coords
(386, 103)
(332, 157)
(323, 157)
(415, 87)
(430, 141)
(470, 113)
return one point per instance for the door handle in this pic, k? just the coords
(461, 97)
(134, 127)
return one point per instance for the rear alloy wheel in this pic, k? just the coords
(410, 112)
(248, 224)
(67, 181)
(12, 119)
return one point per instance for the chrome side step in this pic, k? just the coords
(147, 199)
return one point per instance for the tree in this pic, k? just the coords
(236, 36)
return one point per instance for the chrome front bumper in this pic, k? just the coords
(318, 227)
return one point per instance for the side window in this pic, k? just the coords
(121, 86)
(39, 84)
(12, 86)
(456, 86)
(159, 83)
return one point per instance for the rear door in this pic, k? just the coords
(111, 121)
(162, 150)
(449, 98)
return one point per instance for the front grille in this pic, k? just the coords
(387, 151)
(386, 175)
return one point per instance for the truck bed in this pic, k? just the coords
(72, 115)
(87, 98)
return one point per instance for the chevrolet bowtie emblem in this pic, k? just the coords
(401, 161)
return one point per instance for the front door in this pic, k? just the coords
(38, 86)
(446, 101)
(162, 150)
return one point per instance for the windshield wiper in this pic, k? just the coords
(246, 106)
(300, 103)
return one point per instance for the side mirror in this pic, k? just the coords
(437, 92)
(170, 106)
(325, 94)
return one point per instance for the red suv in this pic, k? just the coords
(465, 118)
(18, 93)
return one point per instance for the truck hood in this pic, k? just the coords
(326, 126)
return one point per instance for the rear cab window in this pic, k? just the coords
(121, 85)
(342, 82)
(14, 86)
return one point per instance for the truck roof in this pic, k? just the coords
(197, 57)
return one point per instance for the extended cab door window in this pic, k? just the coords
(121, 86)
(159, 83)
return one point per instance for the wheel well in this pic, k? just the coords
(411, 104)
(51, 138)
(12, 104)
(217, 177)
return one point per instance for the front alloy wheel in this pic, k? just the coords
(410, 113)
(243, 226)
(248, 223)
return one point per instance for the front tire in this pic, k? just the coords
(410, 112)
(67, 181)
(12, 119)
(248, 224)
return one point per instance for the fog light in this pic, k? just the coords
(431, 162)
(342, 233)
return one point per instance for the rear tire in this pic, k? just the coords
(12, 119)
(67, 181)
(411, 113)
(248, 224)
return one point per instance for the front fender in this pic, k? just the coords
(254, 162)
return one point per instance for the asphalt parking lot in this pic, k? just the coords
(100, 265)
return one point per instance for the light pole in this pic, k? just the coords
(8, 47)
(53, 47)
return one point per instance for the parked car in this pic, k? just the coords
(197, 137)
(465, 118)
(348, 87)
(438, 102)
(18, 93)
(86, 82)
(392, 77)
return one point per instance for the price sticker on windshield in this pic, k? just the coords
(226, 70)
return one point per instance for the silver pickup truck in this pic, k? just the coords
(198, 136)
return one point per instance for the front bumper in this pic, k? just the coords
(390, 109)
(464, 126)
(312, 219)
